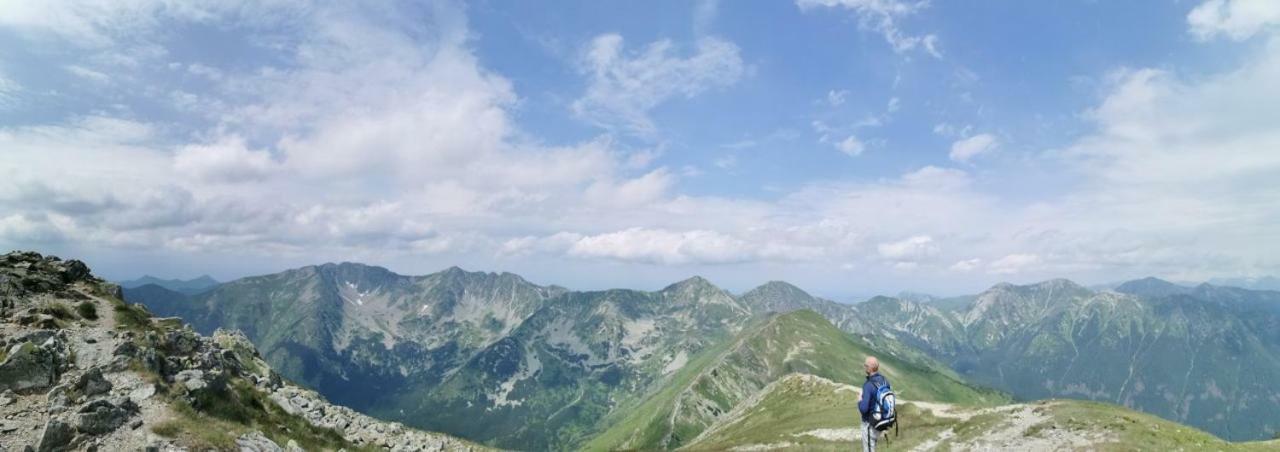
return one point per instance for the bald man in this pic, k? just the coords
(868, 403)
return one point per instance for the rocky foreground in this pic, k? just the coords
(82, 370)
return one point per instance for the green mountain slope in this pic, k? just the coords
(803, 342)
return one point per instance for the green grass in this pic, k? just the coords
(768, 350)
(1132, 430)
(132, 317)
(643, 423)
(87, 310)
(58, 311)
(215, 418)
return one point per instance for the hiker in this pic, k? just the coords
(877, 405)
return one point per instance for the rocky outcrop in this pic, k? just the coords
(92, 382)
(359, 428)
(31, 367)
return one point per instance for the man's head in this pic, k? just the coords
(871, 365)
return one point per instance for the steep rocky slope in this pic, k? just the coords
(80, 369)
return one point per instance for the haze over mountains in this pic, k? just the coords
(189, 286)
(548, 367)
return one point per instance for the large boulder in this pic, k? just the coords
(104, 416)
(57, 437)
(29, 367)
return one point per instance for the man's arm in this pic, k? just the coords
(864, 405)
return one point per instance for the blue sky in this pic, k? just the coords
(852, 147)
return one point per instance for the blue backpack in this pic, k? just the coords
(885, 412)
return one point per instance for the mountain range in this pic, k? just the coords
(188, 286)
(550, 368)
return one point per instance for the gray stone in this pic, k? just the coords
(91, 383)
(192, 379)
(257, 442)
(7, 398)
(102, 416)
(143, 392)
(28, 367)
(59, 398)
(57, 437)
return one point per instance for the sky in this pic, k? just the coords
(851, 147)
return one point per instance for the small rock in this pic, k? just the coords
(143, 393)
(135, 424)
(7, 398)
(193, 379)
(257, 442)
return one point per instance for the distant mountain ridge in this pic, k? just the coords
(1205, 355)
(189, 286)
(547, 367)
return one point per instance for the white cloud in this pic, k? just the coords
(1013, 263)
(910, 249)
(227, 160)
(1235, 19)
(624, 86)
(9, 90)
(968, 148)
(937, 178)
(413, 150)
(88, 74)
(851, 146)
(663, 247)
(882, 16)
(966, 265)
(836, 98)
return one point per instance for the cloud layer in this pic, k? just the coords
(324, 147)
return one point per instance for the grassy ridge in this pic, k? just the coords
(800, 342)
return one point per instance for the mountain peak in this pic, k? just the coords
(692, 283)
(1151, 287)
(1051, 284)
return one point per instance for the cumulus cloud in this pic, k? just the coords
(227, 160)
(965, 149)
(1234, 19)
(851, 146)
(623, 86)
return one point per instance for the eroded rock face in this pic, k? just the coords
(29, 367)
(67, 383)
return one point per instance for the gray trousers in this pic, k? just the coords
(869, 435)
